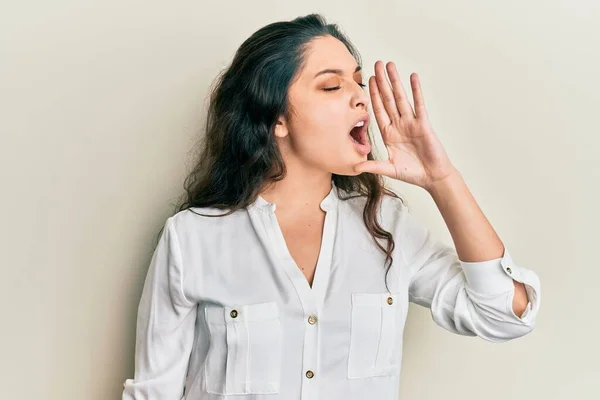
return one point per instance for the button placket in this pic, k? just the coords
(311, 298)
(388, 331)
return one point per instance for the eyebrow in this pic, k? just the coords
(336, 71)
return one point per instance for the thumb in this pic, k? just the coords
(376, 167)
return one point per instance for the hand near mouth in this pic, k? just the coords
(415, 154)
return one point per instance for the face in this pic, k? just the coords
(327, 100)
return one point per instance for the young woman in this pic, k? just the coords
(288, 270)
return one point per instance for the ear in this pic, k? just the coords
(281, 129)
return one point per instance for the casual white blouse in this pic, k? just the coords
(226, 312)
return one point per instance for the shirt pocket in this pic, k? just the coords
(373, 335)
(245, 350)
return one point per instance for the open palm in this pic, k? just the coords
(415, 154)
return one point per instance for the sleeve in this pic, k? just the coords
(165, 327)
(467, 298)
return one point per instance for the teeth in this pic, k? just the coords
(361, 123)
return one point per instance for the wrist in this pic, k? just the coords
(444, 184)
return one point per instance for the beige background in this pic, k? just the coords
(101, 102)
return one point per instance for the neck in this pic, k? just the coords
(302, 189)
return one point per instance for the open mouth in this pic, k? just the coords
(359, 133)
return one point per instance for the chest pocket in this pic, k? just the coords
(244, 355)
(373, 335)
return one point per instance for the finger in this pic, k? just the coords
(378, 109)
(386, 93)
(377, 167)
(415, 83)
(400, 96)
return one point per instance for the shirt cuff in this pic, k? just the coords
(495, 277)
(491, 276)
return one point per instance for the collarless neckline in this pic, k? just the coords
(327, 204)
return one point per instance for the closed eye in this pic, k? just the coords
(362, 85)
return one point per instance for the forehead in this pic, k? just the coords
(327, 53)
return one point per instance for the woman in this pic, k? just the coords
(300, 289)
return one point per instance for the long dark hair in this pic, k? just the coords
(238, 155)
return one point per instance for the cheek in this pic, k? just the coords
(322, 135)
(326, 123)
(320, 131)
(323, 142)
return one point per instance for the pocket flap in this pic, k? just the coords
(374, 299)
(248, 312)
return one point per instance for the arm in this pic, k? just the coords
(483, 296)
(477, 296)
(165, 327)
(476, 240)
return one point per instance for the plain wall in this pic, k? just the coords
(102, 102)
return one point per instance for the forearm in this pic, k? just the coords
(474, 237)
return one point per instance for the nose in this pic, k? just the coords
(361, 98)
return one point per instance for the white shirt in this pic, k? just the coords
(226, 312)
